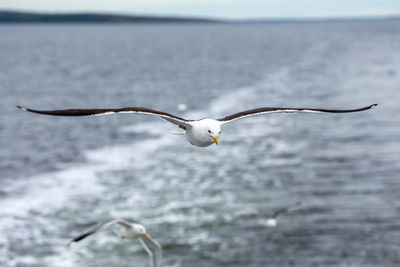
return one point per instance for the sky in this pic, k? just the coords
(231, 9)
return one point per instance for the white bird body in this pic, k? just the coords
(201, 133)
(135, 232)
(270, 222)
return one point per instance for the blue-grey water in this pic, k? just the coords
(204, 205)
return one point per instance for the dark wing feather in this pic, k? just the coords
(97, 112)
(285, 210)
(279, 212)
(264, 110)
(92, 230)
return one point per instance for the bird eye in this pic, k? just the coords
(209, 131)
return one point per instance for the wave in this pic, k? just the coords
(148, 160)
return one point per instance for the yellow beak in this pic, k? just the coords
(145, 235)
(215, 139)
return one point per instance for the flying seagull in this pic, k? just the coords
(129, 231)
(273, 220)
(203, 132)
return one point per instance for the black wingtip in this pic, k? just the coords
(77, 239)
(366, 108)
(22, 108)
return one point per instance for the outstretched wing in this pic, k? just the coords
(123, 223)
(285, 210)
(264, 110)
(183, 123)
(153, 249)
(94, 229)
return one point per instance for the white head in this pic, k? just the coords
(213, 130)
(139, 229)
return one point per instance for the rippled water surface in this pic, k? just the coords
(204, 205)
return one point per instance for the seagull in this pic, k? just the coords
(129, 231)
(201, 133)
(273, 220)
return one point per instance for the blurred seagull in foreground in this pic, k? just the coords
(129, 231)
(273, 220)
(203, 132)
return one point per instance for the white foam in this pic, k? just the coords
(139, 154)
(4, 250)
(48, 192)
(26, 260)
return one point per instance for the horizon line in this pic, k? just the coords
(208, 18)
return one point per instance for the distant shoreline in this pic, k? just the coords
(28, 17)
(8, 17)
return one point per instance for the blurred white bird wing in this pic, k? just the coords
(124, 223)
(153, 249)
(92, 230)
